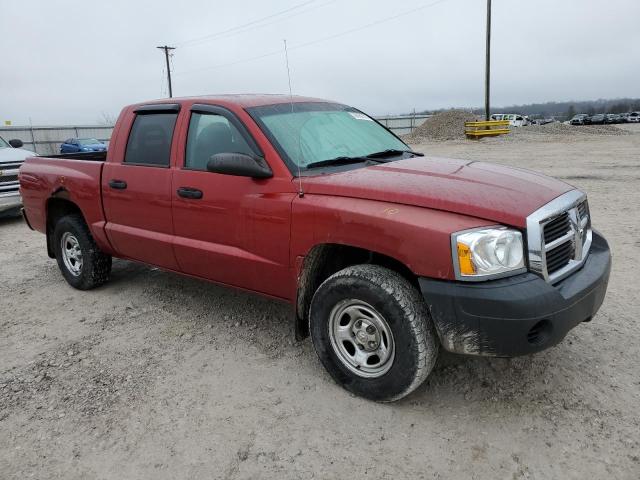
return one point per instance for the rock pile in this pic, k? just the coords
(447, 125)
(558, 128)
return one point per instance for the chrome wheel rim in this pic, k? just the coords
(361, 338)
(71, 253)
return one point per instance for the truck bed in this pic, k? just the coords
(73, 177)
(92, 156)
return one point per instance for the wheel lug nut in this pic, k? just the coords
(359, 324)
(360, 346)
(372, 344)
(371, 330)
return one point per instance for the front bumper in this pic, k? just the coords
(517, 315)
(9, 201)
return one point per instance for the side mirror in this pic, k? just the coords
(15, 143)
(239, 164)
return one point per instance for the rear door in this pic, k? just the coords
(136, 186)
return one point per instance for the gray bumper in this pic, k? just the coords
(10, 201)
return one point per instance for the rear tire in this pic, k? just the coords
(372, 332)
(80, 260)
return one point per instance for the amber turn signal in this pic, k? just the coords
(464, 260)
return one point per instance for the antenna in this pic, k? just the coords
(286, 56)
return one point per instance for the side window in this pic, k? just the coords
(210, 134)
(150, 139)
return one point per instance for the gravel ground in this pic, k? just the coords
(162, 377)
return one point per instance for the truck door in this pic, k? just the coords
(230, 229)
(136, 186)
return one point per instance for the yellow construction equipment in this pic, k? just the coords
(486, 128)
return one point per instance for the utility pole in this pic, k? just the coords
(166, 56)
(487, 75)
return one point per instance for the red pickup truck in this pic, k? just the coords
(385, 254)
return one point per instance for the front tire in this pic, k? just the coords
(80, 260)
(372, 332)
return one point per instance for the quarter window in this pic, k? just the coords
(210, 134)
(150, 139)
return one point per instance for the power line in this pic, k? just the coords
(253, 22)
(318, 40)
(240, 31)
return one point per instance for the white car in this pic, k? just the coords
(515, 120)
(11, 157)
(633, 117)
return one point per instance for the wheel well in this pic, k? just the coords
(58, 207)
(325, 260)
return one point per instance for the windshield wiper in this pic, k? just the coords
(375, 157)
(339, 161)
(392, 151)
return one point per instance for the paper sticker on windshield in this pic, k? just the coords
(360, 116)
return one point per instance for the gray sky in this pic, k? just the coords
(69, 61)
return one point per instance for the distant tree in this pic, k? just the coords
(591, 110)
(107, 118)
(571, 112)
(619, 107)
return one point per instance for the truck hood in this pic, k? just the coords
(493, 192)
(10, 154)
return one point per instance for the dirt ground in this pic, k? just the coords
(156, 376)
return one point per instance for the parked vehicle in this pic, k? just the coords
(515, 120)
(597, 119)
(578, 119)
(74, 145)
(611, 118)
(384, 254)
(544, 121)
(11, 157)
(633, 117)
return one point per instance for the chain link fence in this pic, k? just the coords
(46, 140)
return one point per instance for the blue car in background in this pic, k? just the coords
(73, 145)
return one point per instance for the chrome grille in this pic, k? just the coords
(557, 228)
(559, 257)
(9, 178)
(559, 236)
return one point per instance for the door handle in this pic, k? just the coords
(118, 184)
(188, 192)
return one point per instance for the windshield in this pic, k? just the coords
(3, 144)
(87, 141)
(308, 133)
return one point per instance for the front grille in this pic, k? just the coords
(559, 256)
(557, 228)
(583, 209)
(11, 165)
(8, 178)
(559, 236)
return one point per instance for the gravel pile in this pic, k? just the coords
(572, 130)
(447, 125)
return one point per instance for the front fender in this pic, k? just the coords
(419, 238)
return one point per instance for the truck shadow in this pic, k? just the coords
(198, 306)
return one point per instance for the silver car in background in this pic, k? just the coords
(11, 157)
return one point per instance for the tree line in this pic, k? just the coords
(562, 110)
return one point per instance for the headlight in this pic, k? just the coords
(487, 252)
